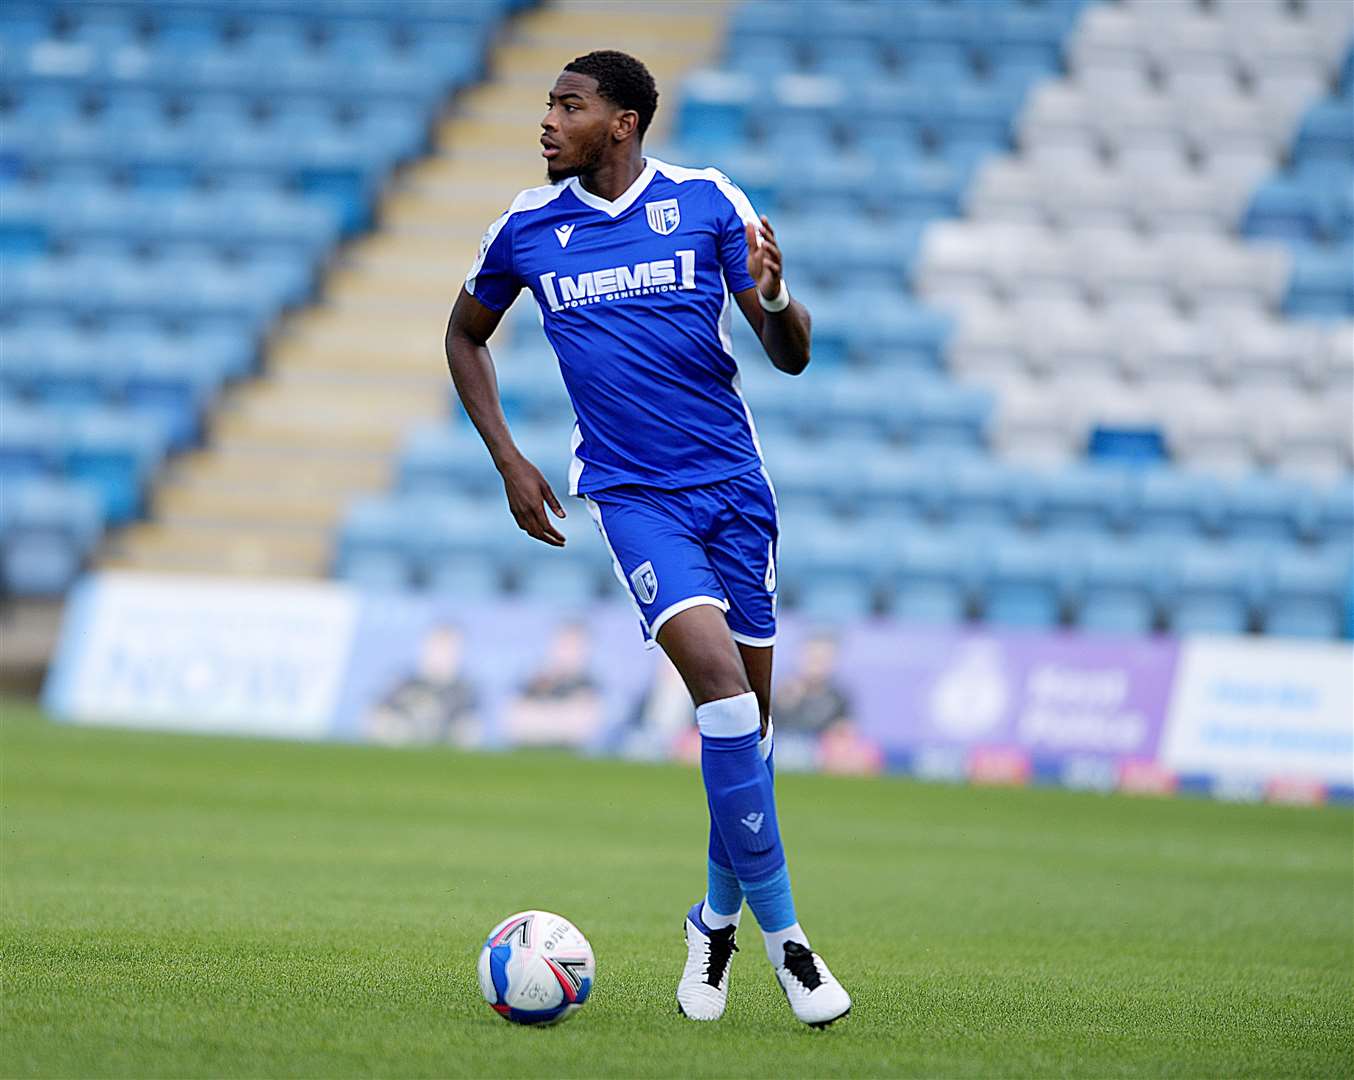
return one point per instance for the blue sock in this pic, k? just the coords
(743, 806)
(772, 902)
(723, 892)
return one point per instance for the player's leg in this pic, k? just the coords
(724, 896)
(742, 549)
(742, 803)
(665, 568)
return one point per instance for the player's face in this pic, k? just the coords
(576, 128)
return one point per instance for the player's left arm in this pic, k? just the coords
(785, 333)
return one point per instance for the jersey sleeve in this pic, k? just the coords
(737, 212)
(492, 280)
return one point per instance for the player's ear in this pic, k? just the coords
(625, 124)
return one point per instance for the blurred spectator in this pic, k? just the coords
(663, 718)
(813, 715)
(436, 703)
(560, 704)
(812, 701)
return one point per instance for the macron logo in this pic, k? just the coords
(753, 822)
(563, 233)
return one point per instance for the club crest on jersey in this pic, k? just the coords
(664, 216)
(645, 581)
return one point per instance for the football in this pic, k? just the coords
(536, 968)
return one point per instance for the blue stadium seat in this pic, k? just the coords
(556, 583)
(437, 530)
(1326, 132)
(114, 453)
(1024, 582)
(715, 108)
(933, 577)
(821, 553)
(1175, 503)
(440, 459)
(371, 532)
(1026, 35)
(1084, 498)
(1306, 594)
(1282, 209)
(983, 492)
(1118, 588)
(30, 441)
(465, 577)
(1213, 590)
(1322, 283)
(1261, 507)
(835, 601)
(945, 415)
(903, 486)
(1335, 514)
(376, 570)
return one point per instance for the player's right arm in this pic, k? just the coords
(472, 371)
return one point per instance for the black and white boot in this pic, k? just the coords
(703, 990)
(814, 994)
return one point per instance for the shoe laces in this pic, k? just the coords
(799, 963)
(720, 953)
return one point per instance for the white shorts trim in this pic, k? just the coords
(759, 642)
(681, 605)
(596, 512)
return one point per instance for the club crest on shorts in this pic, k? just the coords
(664, 217)
(645, 581)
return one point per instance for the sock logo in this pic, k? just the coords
(753, 822)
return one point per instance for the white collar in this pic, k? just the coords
(626, 198)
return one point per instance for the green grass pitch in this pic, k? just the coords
(182, 906)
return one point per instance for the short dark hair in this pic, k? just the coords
(622, 80)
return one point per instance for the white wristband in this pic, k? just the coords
(781, 301)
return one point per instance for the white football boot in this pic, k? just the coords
(815, 996)
(703, 990)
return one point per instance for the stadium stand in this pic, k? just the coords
(1060, 296)
(174, 177)
(1104, 378)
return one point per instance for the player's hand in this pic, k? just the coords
(528, 494)
(764, 258)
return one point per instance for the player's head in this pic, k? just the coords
(601, 105)
(440, 653)
(819, 657)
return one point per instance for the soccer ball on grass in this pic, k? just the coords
(536, 968)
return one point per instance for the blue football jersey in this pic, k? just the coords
(636, 300)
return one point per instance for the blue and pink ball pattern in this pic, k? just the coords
(536, 967)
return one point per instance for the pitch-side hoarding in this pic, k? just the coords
(1236, 717)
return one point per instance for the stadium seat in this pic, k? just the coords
(1024, 582)
(1306, 594)
(933, 577)
(1118, 587)
(1264, 508)
(1212, 592)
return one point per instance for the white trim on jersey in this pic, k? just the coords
(737, 384)
(575, 462)
(530, 199)
(614, 208)
(742, 205)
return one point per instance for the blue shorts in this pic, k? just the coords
(713, 544)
